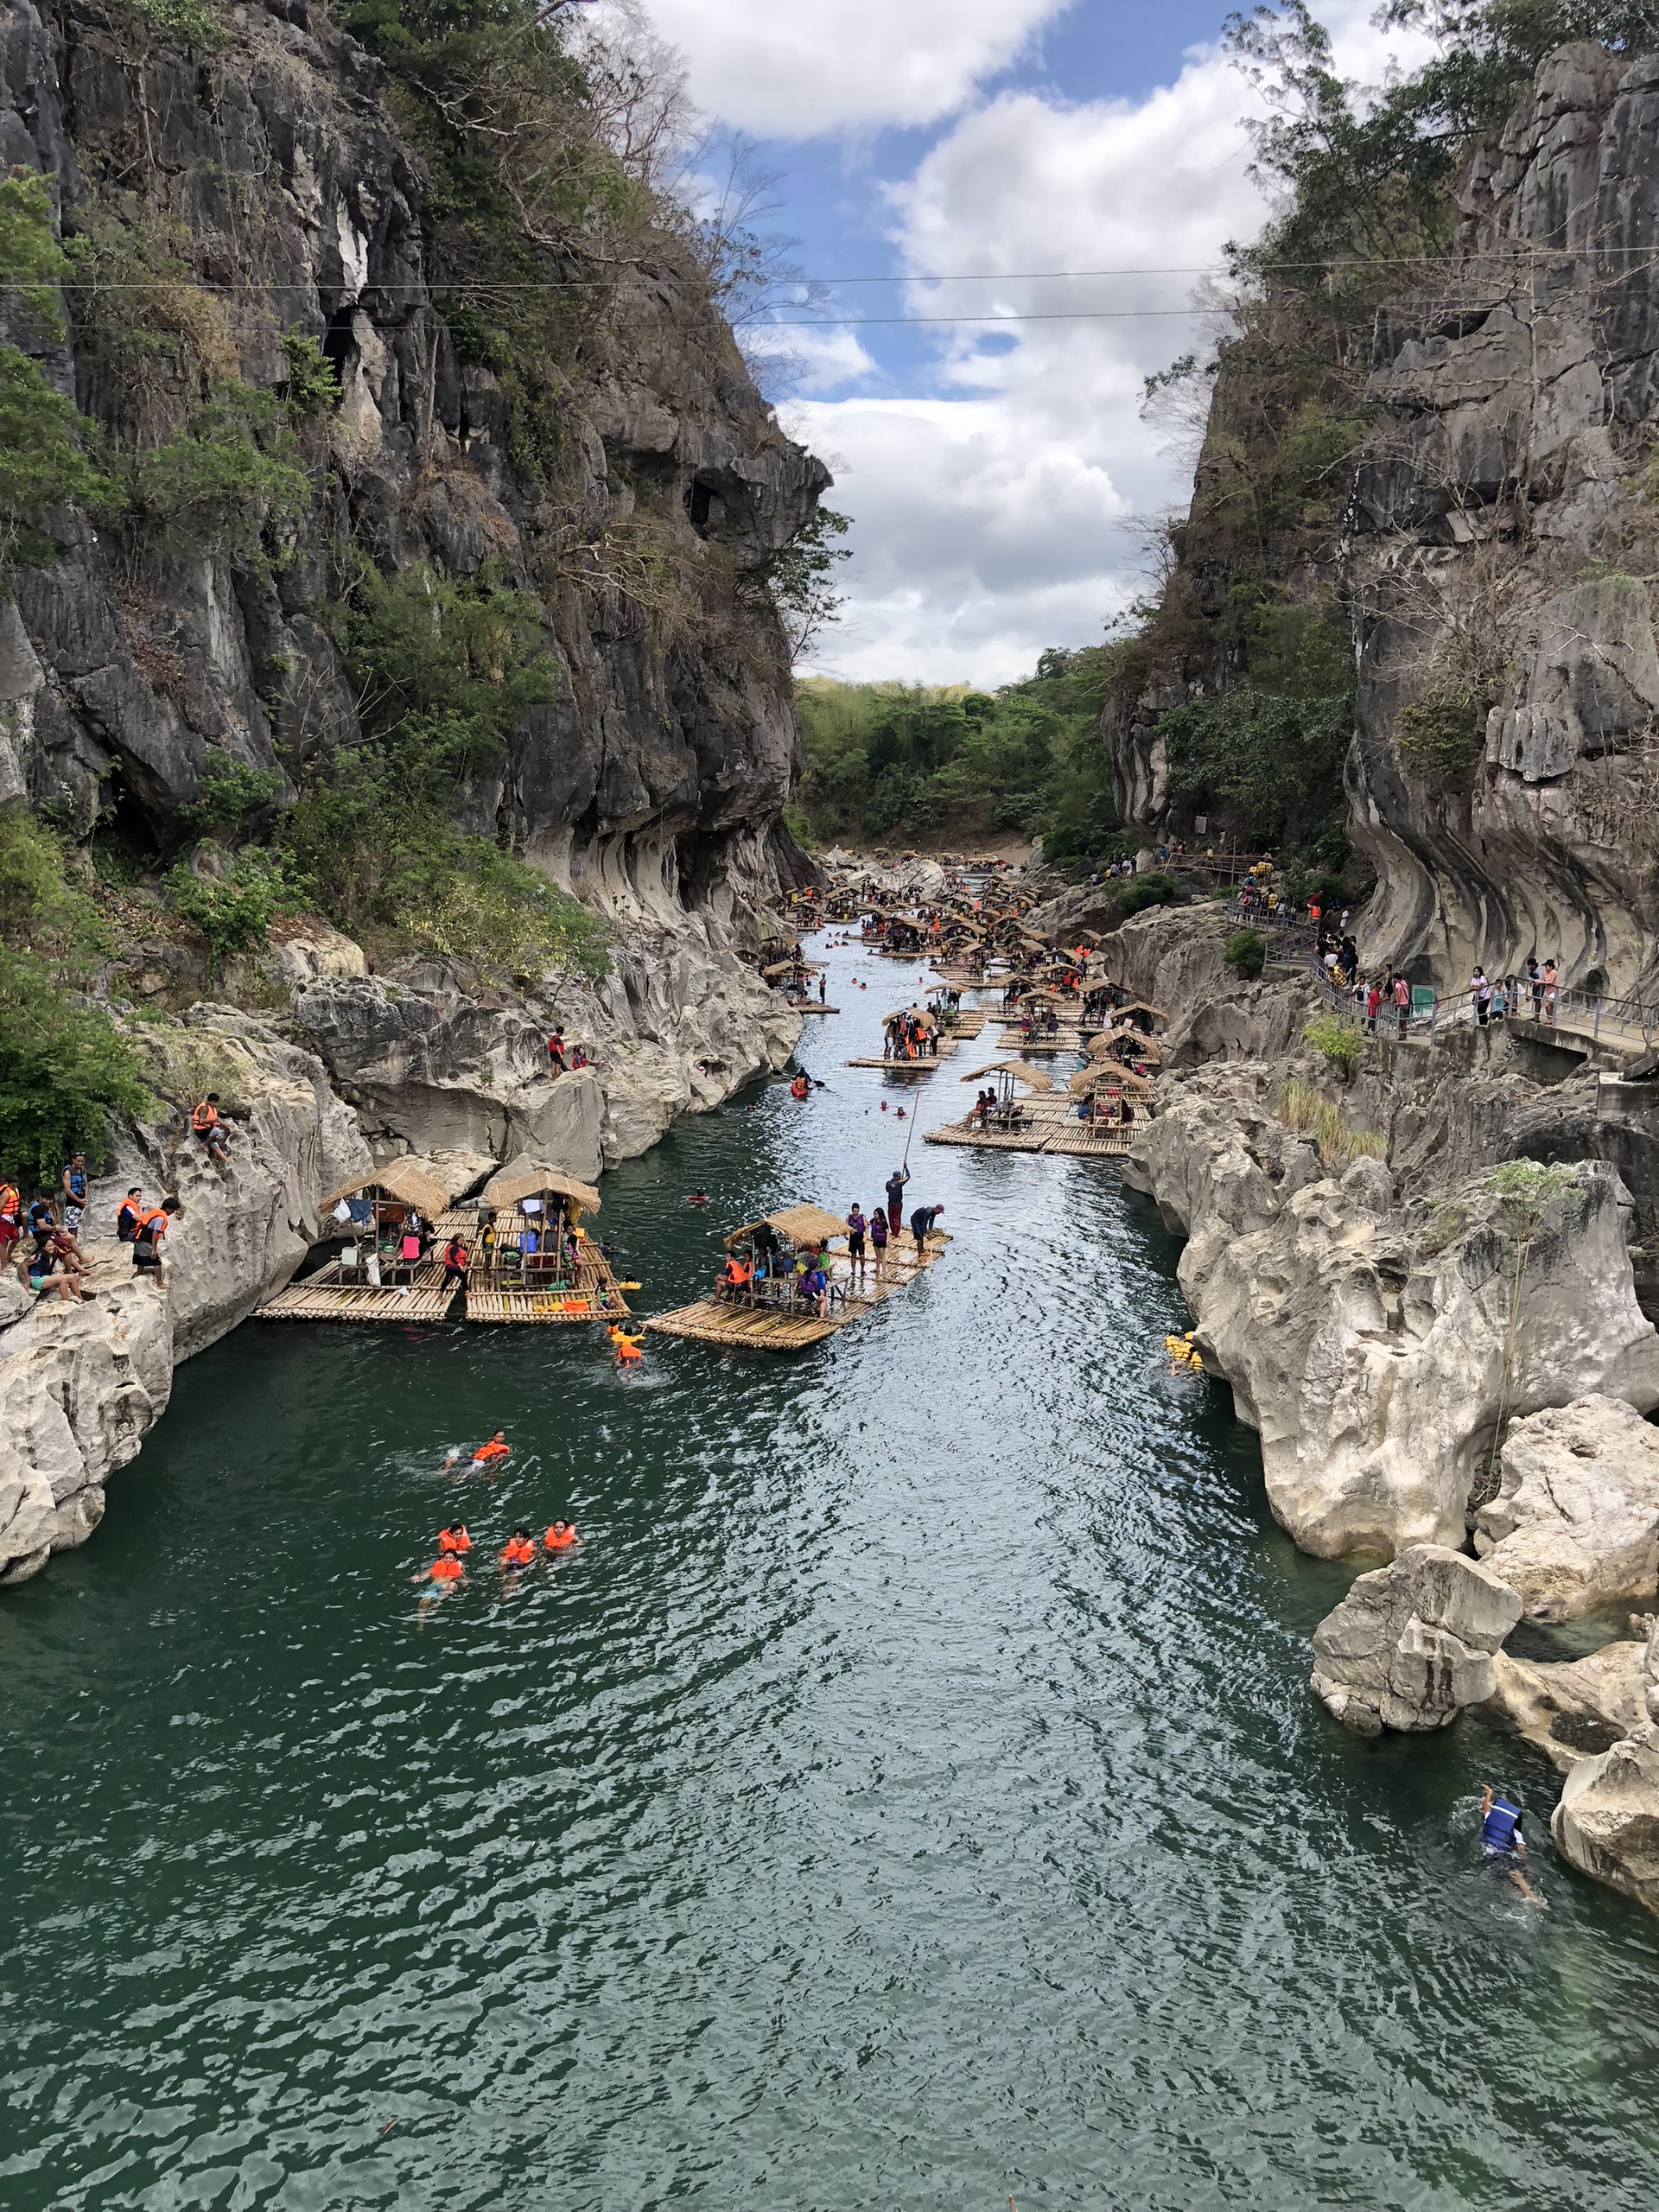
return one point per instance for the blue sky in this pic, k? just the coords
(1000, 482)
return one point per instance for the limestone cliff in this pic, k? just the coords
(1495, 560)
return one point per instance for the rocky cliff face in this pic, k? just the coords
(1503, 530)
(83, 1384)
(659, 491)
(1496, 560)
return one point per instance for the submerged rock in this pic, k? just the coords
(1574, 1709)
(1412, 1644)
(1575, 1523)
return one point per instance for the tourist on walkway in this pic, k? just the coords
(1536, 985)
(1402, 1004)
(1550, 982)
(1480, 990)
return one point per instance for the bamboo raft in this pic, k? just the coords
(324, 1297)
(1082, 1140)
(736, 1325)
(542, 1288)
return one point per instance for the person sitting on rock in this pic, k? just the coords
(1502, 1844)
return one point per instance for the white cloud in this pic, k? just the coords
(808, 68)
(989, 525)
(807, 360)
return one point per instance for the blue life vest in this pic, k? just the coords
(77, 1184)
(1497, 1829)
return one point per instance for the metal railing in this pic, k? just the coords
(1623, 1023)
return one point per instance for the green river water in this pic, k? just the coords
(910, 1795)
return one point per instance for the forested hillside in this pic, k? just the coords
(953, 767)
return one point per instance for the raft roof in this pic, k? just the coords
(518, 1180)
(803, 1225)
(1100, 1078)
(401, 1180)
(1021, 1071)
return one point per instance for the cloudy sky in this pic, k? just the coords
(1079, 162)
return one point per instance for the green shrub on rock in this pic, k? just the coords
(1246, 952)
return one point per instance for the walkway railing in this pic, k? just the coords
(1628, 1025)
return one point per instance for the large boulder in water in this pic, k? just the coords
(1575, 1523)
(1412, 1644)
(1607, 1822)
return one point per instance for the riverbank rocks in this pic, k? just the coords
(1412, 1644)
(1371, 1344)
(1575, 1523)
(433, 1062)
(1572, 1709)
(1607, 1821)
(83, 1384)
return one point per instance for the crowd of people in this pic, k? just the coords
(42, 1242)
(801, 1274)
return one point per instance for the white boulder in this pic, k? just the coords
(1575, 1523)
(1607, 1821)
(1412, 1644)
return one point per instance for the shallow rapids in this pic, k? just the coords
(909, 1794)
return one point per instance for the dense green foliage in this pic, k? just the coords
(1342, 1043)
(42, 463)
(64, 1067)
(234, 909)
(1246, 953)
(885, 761)
(444, 673)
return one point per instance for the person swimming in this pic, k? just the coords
(485, 1455)
(454, 1538)
(627, 1347)
(698, 1198)
(560, 1536)
(1503, 1846)
(517, 1553)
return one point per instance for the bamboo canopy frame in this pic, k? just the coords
(802, 1225)
(511, 1185)
(1021, 1071)
(404, 1186)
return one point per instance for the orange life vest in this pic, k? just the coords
(204, 1117)
(556, 1542)
(9, 1200)
(490, 1451)
(517, 1551)
(445, 1570)
(453, 1540)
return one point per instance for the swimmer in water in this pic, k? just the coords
(1502, 1844)
(698, 1198)
(560, 1537)
(486, 1455)
(517, 1553)
(627, 1347)
(446, 1574)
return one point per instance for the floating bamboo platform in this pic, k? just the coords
(1041, 1132)
(764, 1328)
(810, 1006)
(323, 1297)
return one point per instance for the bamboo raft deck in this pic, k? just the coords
(923, 1064)
(589, 1294)
(323, 1297)
(809, 1006)
(1049, 1133)
(764, 1328)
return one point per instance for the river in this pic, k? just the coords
(910, 1795)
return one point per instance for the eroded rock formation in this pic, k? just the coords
(1411, 1645)
(1375, 1348)
(1575, 1522)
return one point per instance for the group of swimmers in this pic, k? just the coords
(516, 1557)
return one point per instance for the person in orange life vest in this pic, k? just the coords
(519, 1551)
(126, 1219)
(560, 1536)
(455, 1538)
(443, 1574)
(627, 1347)
(555, 1053)
(486, 1455)
(454, 1261)
(147, 1231)
(207, 1126)
(11, 1202)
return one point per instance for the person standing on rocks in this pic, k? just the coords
(1502, 1844)
(151, 1228)
(555, 1053)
